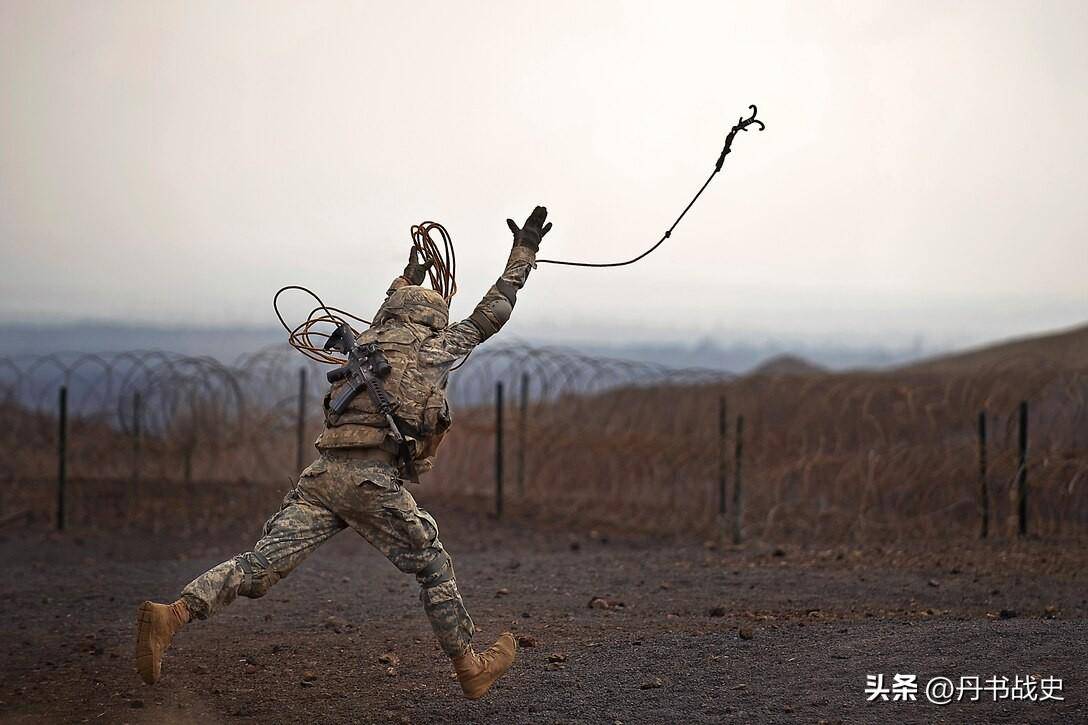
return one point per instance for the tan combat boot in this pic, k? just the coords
(478, 672)
(156, 625)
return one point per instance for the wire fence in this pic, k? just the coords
(151, 435)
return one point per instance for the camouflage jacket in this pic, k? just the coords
(421, 358)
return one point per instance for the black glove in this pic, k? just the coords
(533, 231)
(415, 272)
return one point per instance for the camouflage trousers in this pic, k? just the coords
(335, 492)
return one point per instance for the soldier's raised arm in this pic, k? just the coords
(494, 309)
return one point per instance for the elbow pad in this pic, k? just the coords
(495, 309)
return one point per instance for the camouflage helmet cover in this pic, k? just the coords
(413, 303)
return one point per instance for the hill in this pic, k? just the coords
(788, 365)
(1065, 350)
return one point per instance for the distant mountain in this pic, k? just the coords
(744, 357)
(227, 344)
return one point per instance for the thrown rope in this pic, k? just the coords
(442, 268)
(741, 125)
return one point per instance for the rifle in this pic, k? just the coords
(365, 368)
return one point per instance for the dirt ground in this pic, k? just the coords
(688, 632)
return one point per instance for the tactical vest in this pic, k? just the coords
(417, 394)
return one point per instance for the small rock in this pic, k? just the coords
(252, 669)
(526, 640)
(557, 657)
(307, 683)
(718, 611)
(308, 676)
(555, 666)
(598, 603)
(200, 669)
(336, 624)
(652, 684)
(745, 633)
(1007, 613)
(934, 583)
(501, 592)
(779, 552)
(391, 671)
(1051, 611)
(389, 659)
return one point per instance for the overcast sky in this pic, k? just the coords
(922, 174)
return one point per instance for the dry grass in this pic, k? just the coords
(853, 456)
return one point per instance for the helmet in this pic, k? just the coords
(413, 303)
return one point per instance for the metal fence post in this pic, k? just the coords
(523, 417)
(498, 449)
(984, 491)
(738, 453)
(1022, 478)
(300, 439)
(723, 431)
(62, 456)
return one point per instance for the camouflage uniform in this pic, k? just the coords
(356, 482)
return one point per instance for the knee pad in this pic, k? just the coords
(439, 571)
(257, 574)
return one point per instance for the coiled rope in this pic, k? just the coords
(309, 337)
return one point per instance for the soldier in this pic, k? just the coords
(358, 478)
